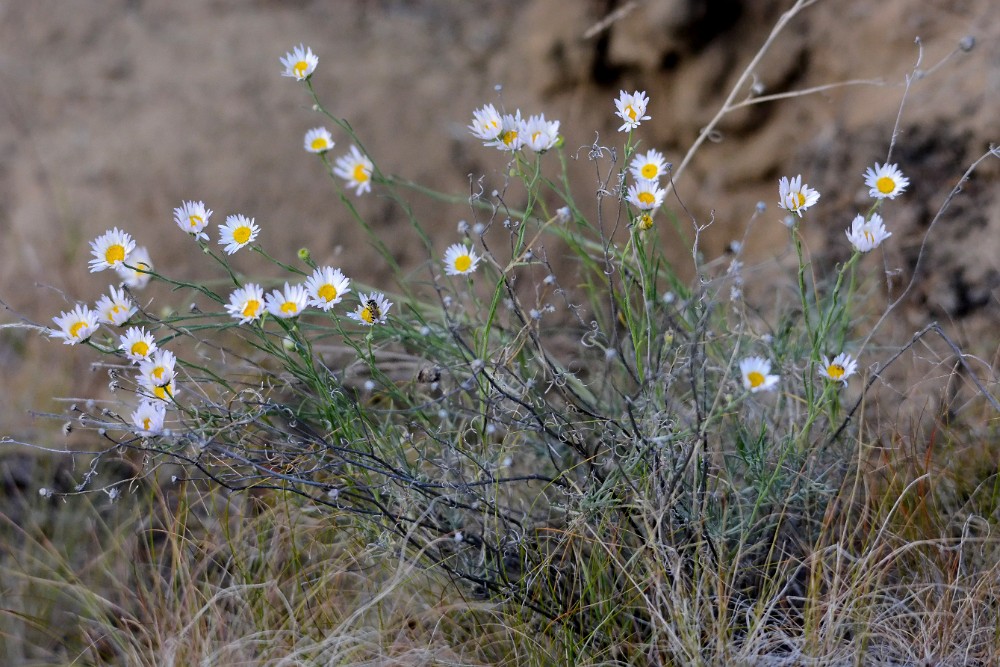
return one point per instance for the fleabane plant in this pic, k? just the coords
(531, 430)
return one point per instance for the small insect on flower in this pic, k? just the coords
(842, 367)
(512, 133)
(631, 109)
(238, 231)
(374, 309)
(487, 124)
(134, 271)
(644, 221)
(459, 260)
(287, 303)
(157, 377)
(299, 63)
(158, 370)
(110, 250)
(116, 308)
(755, 374)
(246, 303)
(137, 344)
(645, 195)
(192, 217)
(356, 169)
(539, 134)
(326, 287)
(148, 417)
(866, 235)
(318, 140)
(885, 181)
(76, 326)
(167, 392)
(649, 165)
(794, 196)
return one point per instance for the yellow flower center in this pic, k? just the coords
(163, 392)
(241, 234)
(755, 378)
(157, 373)
(649, 171)
(647, 198)
(360, 173)
(885, 185)
(115, 309)
(630, 112)
(290, 307)
(251, 308)
(318, 144)
(836, 371)
(462, 263)
(509, 137)
(300, 69)
(146, 422)
(868, 235)
(114, 254)
(370, 312)
(74, 330)
(140, 348)
(644, 221)
(534, 137)
(196, 221)
(800, 199)
(327, 292)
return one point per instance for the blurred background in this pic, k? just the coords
(114, 112)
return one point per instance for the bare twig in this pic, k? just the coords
(727, 106)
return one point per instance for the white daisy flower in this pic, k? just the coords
(76, 326)
(373, 309)
(326, 287)
(134, 270)
(512, 133)
(318, 140)
(645, 195)
(246, 303)
(631, 109)
(110, 250)
(115, 308)
(539, 134)
(238, 231)
(885, 181)
(794, 196)
(137, 344)
(649, 165)
(755, 374)
(192, 217)
(148, 417)
(842, 367)
(459, 260)
(356, 169)
(299, 63)
(287, 303)
(486, 124)
(158, 370)
(866, 235)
